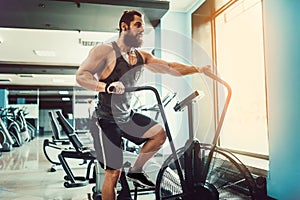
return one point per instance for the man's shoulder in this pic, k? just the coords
(145, 55)
(102, 48)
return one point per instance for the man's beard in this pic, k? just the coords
(131, 40)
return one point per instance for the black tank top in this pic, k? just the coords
(116, 107)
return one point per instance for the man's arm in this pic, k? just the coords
(94, 63)
(173, 68)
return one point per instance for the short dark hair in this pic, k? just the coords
(127, 17)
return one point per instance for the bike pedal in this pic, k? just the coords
(136, 184)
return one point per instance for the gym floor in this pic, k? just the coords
(24, 175)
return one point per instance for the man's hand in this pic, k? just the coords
(116, 88)
(205, 68)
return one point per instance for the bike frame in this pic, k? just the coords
(167, 129)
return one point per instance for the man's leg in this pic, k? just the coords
(157, 137)
(110, 183)
(110, 155)
(142, 129)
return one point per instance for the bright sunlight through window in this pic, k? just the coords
(240, 60)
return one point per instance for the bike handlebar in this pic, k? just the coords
(207, 73)
(133, 89)
(218, 79)
(229, 92)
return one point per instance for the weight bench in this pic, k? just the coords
(80, 151)
(83, 152)
(56, 143)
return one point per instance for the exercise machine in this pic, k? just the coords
(203, 171)
(6, 140)
(80, 151)
(10, 130)
(8, 115)
(199, 171)
(53, 147)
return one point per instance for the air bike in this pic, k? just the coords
(199, 171)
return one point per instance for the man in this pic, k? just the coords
(117, 65)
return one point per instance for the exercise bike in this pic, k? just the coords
(199, 171)
(6, 140)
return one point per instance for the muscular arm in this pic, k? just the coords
(94, 64)
(173, 68)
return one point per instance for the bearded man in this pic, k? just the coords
(118, 65)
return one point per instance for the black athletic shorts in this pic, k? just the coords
(108, 142)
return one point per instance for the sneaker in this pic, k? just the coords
(141, 178)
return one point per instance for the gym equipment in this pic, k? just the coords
(20, 118)
(32, 130)
(17, 118)
(203, 171)
(12, 126)
(56, 137)
(197, 170)
(57, 144)
(6, 140)
(79, 152)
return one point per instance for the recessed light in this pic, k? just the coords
(44, 53)
(63, 92)
(65, 99)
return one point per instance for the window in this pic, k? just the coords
(240, 61)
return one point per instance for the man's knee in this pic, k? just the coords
(112, 174)
(161, 135)
(157, 133)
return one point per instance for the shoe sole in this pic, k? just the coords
(140, 184)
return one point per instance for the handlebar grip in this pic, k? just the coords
(129, 89)
(111, 88)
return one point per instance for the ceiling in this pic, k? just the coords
(65, 30)
(82, 15)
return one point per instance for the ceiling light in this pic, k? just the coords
(44, 53)
(25, 91)
(63, 92)
(65, 99)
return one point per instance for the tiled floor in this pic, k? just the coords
(24, 176)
